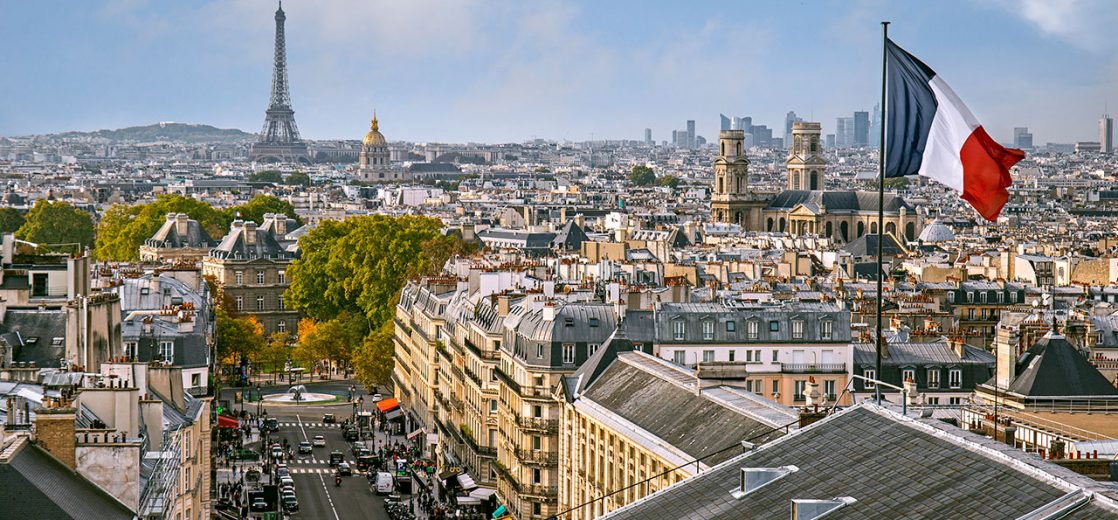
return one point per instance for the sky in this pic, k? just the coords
(513, 70)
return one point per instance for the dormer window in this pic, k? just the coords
(797, 329)
(708, 330)
(594, 322)
(679, 330)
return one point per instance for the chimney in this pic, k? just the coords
(958, 345)
(910, 393)
(181, 222)
(812, 396)
(503, 301)
(250, 233)
(54, 432)
(549, 311)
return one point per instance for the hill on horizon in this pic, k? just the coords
(182, 132)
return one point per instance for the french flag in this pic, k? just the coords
(930, 132)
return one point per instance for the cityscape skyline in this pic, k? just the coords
(506, 60)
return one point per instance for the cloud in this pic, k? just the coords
(1087, 24)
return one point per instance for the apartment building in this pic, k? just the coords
(180, 239)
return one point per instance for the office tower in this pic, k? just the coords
(648, 136)
(830, 141)
(675, 137)
(789, 119)
(746, 124)
(762, 136)
(1106, 134)
(861, 128)
(279, 139)
(844, 132)
(724, 122)
(690, 133)
(1022, 138)
(875, 127)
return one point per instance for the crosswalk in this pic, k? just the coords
(312, 471)
(316, 460)
(309, 425)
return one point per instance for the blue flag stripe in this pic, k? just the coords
(911, 106)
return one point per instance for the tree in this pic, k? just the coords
(373, 361)
(670, 181)
(255, 209)
(271, 176)
(124, 228)
(57, 223)
(332, 340)
(10, 220)
(237, 338)
(896, 183)
(274, 352)
(642, 175)
(298, 179)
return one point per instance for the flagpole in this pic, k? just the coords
(881, 205)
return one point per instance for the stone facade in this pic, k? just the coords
(732, 201)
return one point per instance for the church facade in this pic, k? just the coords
(805, 207)
(374, 159)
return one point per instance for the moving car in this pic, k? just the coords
(282, 471)
(384, 483)
(377, 398)
(319, 440)
(305, 447)
(328, 418)
(344, 469)
(336, 457)
(277, 453)
(271, 424)
(259, 504)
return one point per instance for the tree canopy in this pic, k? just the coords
(57, 223)
(10, 220)
(642, 175)
(124, 228)
(255, 209)
(298, 179)
(237, 337)
(670, 181)
(271, 176)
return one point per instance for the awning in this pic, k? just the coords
(388, 404)
(394, 414)
(224, 421)
(466, 482)
(414, 434)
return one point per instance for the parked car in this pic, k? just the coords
(287, 480)
(290, 503)
(384, 484)
(305, 447)
(319, 440)
(377, 398)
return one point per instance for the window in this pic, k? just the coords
(757, 355)
(130, 350)
(537, 442)
(1001, 297)
(731, 326)
(752, 329)
(983, 295)
(933, 401)
(239, 276)
(826, 328)
(933, 378)
(970, 314)
(869, 373)
(593, 348)
(708, 356)
(907, 374)
(536, 476)
(167, 350)
(776, 356)
(679, 357)
(492, 406)
(260, 278)
(594, 322)
(537, 508)
(970, 296)
(776, 387)
(539, 351)
(568, 354)
(950, 297)
(983, 314)
(679, 330)
(774, 326)
(240, 301)
(279, 303)
(259, 303)
(797, 329)
(829, 389)
(1012, 297)
(537, 411)
(281, 277)
(281, 326)
(799, 389)
(955, 378)
(954, 401)
(708, 330)
(732, 355)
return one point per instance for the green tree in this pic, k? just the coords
(271, 176)
(298, 179)
(255, 209)
(670, 181)
(896, 183)
(57, 223)
(372, 361)
(237, 338)
(642, 175)
(123, 228)
(274, 352)
(10, 220)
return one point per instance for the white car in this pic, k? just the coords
(377, 398)
(319, 441)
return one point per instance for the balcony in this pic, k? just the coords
(506, 379)
(548, 493)
(537, 457)
(473, 377)
(813, 368)
(505, 475)
(199, 391)
(482, 354)
(538, 424)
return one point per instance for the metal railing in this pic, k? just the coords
(537, 457)
(538, 423)
(1035, 421)
(813, 368)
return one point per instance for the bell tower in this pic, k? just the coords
(732, 201)
(805, 160)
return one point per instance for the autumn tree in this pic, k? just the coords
(57, 223)
(237, 338)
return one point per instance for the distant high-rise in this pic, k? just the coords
(648, 136)
(724, 122)
(861, 128)
(844, 132)
(875, 127)
(762, 136)
(830, 141)
(1106, 134)
(690, 133)
(1022, 138)
(744, 124)
(789, 119)
(279, 139)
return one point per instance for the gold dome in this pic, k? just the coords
(374, 137)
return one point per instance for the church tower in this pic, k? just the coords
(732, 202)
(373, 161)
(805, 161)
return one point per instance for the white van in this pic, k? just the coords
(384, 483)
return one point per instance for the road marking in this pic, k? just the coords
(328, 498)
(297, 418)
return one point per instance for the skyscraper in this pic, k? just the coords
(875, 126)
(724, 122)
(1022, 138)
(844, 132)
(690, 133)
(1106, 134)
(789, 119)
(861, 128)
(648, 136)
(279, 139)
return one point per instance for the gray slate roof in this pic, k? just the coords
(1054, 368)
(44, 326)
(35, 485)
(838, 201)
(893, 466)
(919, 354)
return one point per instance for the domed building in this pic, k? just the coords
(374, 159)
(936, 232)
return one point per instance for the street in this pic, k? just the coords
(318, 496)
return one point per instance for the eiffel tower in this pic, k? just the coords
(279, 139)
